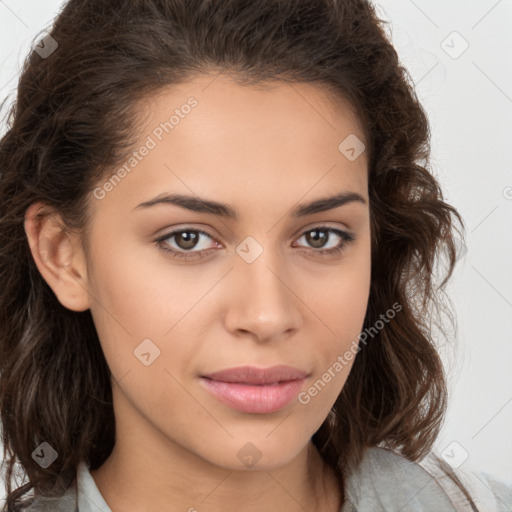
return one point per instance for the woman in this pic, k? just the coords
(218, 240)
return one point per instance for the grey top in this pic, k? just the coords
(383, 482)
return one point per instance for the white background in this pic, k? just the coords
(469, 103)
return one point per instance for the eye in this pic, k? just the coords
(323, 233)
(186, 239)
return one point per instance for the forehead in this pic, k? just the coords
(270, 107)
(213, 136)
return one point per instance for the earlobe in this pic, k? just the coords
(57, 256)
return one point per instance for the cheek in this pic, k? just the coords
(339, 298)
(133, 300)
(340, 307)
(140, 297)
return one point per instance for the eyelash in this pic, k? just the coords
(334, 251)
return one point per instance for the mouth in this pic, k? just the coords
(254, 398)
(254, 390)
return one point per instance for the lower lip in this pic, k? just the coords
(253, 398)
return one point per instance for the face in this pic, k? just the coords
(274, 283)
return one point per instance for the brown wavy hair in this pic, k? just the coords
(60, 142)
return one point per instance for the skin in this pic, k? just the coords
(263, 150)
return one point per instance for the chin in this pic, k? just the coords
(257, 452)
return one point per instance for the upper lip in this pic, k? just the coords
(254, 375)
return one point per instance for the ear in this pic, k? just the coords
(58, 256)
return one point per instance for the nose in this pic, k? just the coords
(261, 300)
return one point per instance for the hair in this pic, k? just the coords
(61, 141)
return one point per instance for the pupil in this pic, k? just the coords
(322, 237)
(190, 241)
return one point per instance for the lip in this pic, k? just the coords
(255, 390)
(254, 375)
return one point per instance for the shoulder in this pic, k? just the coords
(387, 481)
(65, 503)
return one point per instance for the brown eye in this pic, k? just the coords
(318, 237)
(185, 241)
(189, 241)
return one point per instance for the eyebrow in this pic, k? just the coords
(197, 204)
